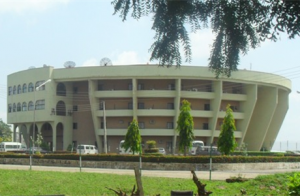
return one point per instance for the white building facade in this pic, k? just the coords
(69, 108)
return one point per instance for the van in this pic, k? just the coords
(122, 149)
(12, 146)
(86, 149)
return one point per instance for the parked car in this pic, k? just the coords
(161, 151)
(86, 149)
(36, 149)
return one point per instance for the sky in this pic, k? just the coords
(51, 32)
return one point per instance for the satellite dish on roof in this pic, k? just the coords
(31, 67)
(69, 64)
(105, 62)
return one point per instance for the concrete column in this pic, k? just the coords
(177, 112)
(278, 117)
(14, 132)
(134, 98)
(247, 108)
(261, 118)
(96, 120)
(54, 138)
(215, 107)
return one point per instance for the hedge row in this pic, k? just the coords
(157, 158)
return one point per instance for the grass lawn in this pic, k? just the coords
(22, 182)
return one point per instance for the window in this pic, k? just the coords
(75, 90)
(14, 90)
(9, 108)
(24, 88)
(130, 86)
(61, 90)
(140, 86)
(205, 126)
(102, 125)
(38, 85)
(100, 87)
(207, 107)
(101, 106)
(24, 106)
(141, 106)
(19, 107)
(170, 125)
(170, 106)
(40, 104)
(171, 87)
(75, 108)
(130, 105)
(14, 107)
(30, 106)
(208, 88)
(75, 126)
(233, 108)
(30, 87)
(141, 125)
(9, 90)
(19, 89)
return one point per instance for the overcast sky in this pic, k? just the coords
(37, 32)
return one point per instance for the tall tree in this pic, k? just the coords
(133, 138)
(5, 132)
(226, 141)
(237, 24)
(185, 127)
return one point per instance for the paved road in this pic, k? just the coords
(215, 175)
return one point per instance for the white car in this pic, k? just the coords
(161, 151)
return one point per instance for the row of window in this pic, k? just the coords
(39, 105)
(23, 89)
(170, 125)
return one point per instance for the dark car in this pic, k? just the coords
(34, 150)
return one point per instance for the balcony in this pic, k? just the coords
(144, 132)
(155, 112)
(156, 93)
(197, 94)
(116, 113)
(113, 93)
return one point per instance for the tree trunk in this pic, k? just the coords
(200, 186)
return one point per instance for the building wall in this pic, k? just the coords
(152, 95)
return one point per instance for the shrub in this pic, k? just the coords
(294, 184)
(151, 144)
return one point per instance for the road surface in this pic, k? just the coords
(205, 175)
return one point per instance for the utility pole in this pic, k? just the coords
(104, 125)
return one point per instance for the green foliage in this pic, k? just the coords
(151, 150)
(39, 139)
(5, 132)
(237, 25)
(133, 138)
(151, 144)
(45, 146)
(226, 141)
(294, 184)
(185, 127)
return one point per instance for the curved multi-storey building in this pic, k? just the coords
(74, 106)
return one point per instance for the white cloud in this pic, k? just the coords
(19, 6)
(91, 62)
(201, 43)
(128, 58)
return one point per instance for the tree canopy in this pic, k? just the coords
(5, 132)
(226, 141)
(237, 25)
(185, 127)
(133, 138)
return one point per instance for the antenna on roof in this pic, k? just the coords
(69, 64)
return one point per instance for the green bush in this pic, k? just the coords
(151, 150)
(151, 144)
(294, 184)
